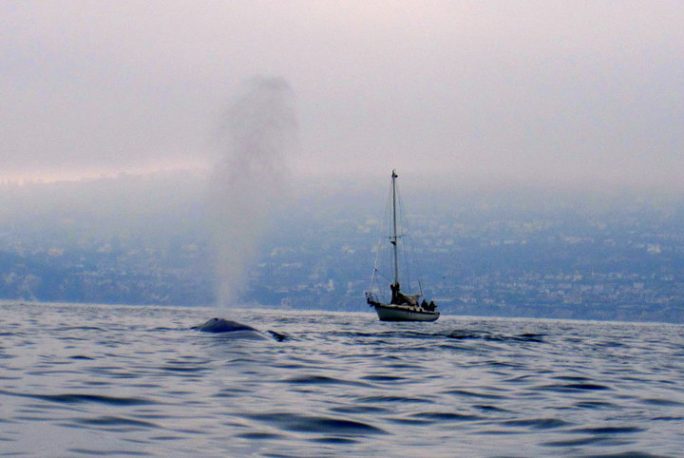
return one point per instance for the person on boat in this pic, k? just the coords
(396, 295)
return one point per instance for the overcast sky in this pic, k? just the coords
(573, 91)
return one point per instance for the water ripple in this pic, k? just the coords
(85, 380)
(315, 424)
(75, 398)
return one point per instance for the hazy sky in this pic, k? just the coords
(571, 91)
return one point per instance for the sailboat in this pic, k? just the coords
(401, 307)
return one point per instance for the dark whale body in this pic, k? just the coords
(221, 325)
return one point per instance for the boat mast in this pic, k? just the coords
(394, 229)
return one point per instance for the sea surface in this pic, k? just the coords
(85, 380)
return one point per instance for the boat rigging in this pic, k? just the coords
(401, 307)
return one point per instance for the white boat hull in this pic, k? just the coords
(391, 312)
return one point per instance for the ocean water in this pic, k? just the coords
(81, 380)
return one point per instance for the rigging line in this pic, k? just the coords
(384, 277)
(409, 255)
(380, 248)
(386, 229)
(376, 270)
(407, 248)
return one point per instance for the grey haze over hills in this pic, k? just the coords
(515, 252)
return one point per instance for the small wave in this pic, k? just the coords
(260, 436)
(446, 416)
(570, 387)
(322, 380)
(10, 377)
(473, 394)
(334, 440)
(79, 328)
(93, 452)
(115, 421)
(603, 430)
(661, 402)
(595, 405)
(384, 378)
(357, 409)
(488, 408)
(485, 335)
(495, 363)
(537, 423)
(519, 378)
(182, 369)
(75, 398)
(576, 442)
(231, 393)
(311, 424)
(628, 454)
(383, 399)
(572, 378)
(165, 437)
(668, 418)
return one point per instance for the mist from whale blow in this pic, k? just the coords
(258, 134)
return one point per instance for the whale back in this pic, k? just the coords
(220, 325)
